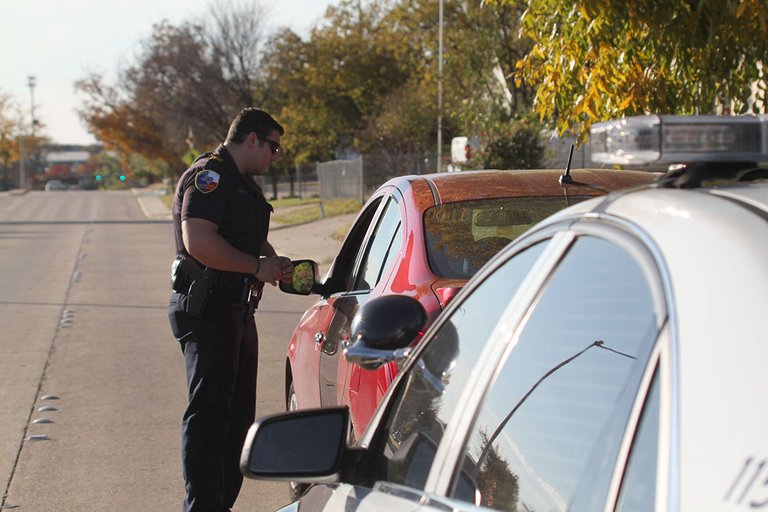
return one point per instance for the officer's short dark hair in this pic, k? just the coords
(252, 119)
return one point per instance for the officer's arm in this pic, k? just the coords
(204, 243)
(267, 249)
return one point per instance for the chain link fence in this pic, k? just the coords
(341, 179)
(380, 167)
(357, 178)
(301, 183)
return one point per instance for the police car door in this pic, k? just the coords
(375, 258)
(383, 496)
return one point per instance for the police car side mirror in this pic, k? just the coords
(305, 446)
(304, 279)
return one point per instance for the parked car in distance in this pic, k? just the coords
(420, 236)
(611, 358)
(54, 185)
(462, 150)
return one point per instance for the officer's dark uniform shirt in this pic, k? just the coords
(213, 189)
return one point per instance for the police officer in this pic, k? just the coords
(220, 220)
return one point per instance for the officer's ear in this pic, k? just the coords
(252, 139)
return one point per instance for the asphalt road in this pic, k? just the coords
(84, 283)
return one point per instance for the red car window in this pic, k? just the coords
(462, 236)
(383, 246)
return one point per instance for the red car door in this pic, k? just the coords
(304, 355)
(372, 267)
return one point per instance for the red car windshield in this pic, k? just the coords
(461, 237)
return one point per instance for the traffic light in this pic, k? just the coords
(122, 177)
(98, 177)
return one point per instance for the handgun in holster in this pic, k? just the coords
(250, 292)
(256, 292)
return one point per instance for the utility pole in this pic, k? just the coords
(22, 157)
(22, 171)
(31, 79)
(440, 89)
(31, 83)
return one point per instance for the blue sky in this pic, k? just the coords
(60, 41)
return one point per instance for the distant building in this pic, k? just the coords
(69, 164)
(60, 163)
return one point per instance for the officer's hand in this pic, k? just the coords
(269, 270)
(286, 266)
(274, 268)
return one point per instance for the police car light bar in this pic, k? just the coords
(680, 139)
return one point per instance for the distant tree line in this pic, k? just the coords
(363, 81)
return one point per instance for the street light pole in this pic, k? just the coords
(22, 171)
(440, 88)
(32, 121)
(22, 157)
(31, 83)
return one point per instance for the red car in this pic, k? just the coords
(421, 236)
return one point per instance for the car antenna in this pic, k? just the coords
(566, 176)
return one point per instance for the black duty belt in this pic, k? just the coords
(226, 286)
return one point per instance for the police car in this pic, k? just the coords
(613, 358)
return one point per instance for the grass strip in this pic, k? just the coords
(316, 211)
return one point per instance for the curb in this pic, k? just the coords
(151, 205)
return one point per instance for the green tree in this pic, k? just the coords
(483, 47)
(285, 65)
(147, 170)
(9, 129)
(600, 59)
(480, 97)
(327, 88)
(367, 78)
(403, 120)
(511, 145)
(14, 131)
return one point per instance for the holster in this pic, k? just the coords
(256, 293)
(198, 282)
(201, 283)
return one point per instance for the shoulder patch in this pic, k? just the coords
(207, 181)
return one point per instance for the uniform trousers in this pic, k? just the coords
(221, 355)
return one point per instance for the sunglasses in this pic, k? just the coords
(274, 146)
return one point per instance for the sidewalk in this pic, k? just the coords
(311, 240)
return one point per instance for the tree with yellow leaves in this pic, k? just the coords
(594, 60)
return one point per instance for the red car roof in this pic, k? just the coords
(431, 189)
